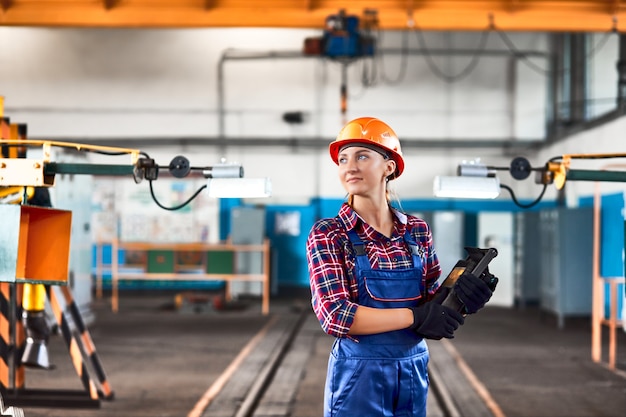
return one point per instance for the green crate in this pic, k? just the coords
(160, 261)
(220, 262)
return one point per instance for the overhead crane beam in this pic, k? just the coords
(457, 15)
(109, 4)
(5, 4)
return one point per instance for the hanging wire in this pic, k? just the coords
(189, 200)
(554, 159)
(600, 45)
(404, 60)
(83, 148)
(366, 82)
(465, 71)
(369, 73)
(109, 153)
(530, 64)
(522, 205)
(543, 71)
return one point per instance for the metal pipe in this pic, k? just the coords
(317, 142)
(597, 298)
(52, 168)
(239, 55)
(597, 292)
(591, 175)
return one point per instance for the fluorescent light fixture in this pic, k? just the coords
(466, 187)
(239, 187)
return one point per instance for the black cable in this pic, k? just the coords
(175, 207)
(465, 72)
(110, 153)
(509, 44)
(529, 205)
(369, 75)
(404, 57)
(368, 78)
(598, 46)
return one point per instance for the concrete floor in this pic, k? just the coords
(161, 361)
(158, 361)
(532, 368)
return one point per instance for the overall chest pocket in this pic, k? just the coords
(393, 285)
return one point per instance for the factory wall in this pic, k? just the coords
(167, 83)
(166, 91)
(147, 86)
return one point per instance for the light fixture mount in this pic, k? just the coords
(520, 168)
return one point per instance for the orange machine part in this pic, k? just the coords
(44, 245)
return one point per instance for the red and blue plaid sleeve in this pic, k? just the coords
(330, 286)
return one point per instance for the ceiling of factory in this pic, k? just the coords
(459, 15)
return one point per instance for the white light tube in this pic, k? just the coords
(466, 187)
(239, 187)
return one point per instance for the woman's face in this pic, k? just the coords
(362, 170)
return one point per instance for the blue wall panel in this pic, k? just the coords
(611, 233)
(289, 248)
(289, 251)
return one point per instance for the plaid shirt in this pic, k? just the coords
(331, 261)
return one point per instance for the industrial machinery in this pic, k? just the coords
(32, 267)
(345, 39)
(477, 180)
(344, 36)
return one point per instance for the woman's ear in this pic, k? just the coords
(391, 167)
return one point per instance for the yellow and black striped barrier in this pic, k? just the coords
(73, 346)
(87, 344)
(11, 339)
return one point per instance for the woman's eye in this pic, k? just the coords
(362, 156)
(342, 160)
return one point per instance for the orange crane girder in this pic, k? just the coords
(449, 15)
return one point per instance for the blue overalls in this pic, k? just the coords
(382, 374)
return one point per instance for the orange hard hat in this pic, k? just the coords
(369, 131)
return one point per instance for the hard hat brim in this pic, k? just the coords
(335, 147)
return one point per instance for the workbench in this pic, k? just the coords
(182, 261)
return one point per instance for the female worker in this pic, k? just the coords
(373, 272)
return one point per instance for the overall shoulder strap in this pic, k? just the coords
(359, 248)
(417, 251)
(357, 243)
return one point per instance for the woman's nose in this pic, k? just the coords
(350, 164)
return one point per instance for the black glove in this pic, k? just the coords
(434, 321)
(472, 291)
